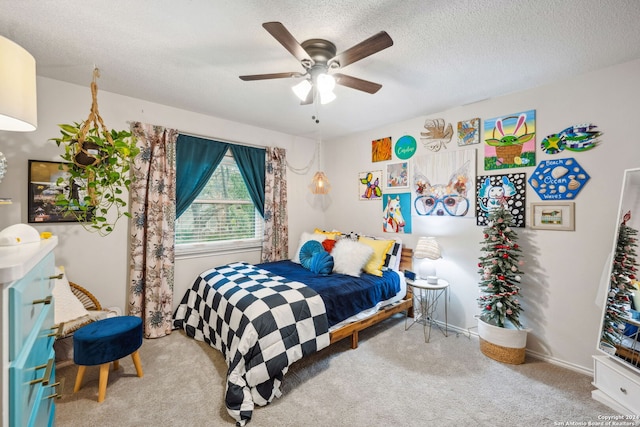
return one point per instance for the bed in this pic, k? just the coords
(265, 317)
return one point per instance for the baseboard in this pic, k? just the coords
(473, 332)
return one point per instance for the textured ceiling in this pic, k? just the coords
(189, 53)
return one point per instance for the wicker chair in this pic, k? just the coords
(87, 299)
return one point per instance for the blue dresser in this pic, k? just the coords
(28, 359)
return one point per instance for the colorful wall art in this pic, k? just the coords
(396, 213)
(510, 141)
(494, 190)
(369, 185)
(381, 149)
(397, 175)
(405, 147)
(437, 134)
(560, 179)
(469, 132)
(443, 184)
(580, 137)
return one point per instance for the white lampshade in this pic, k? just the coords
(427, 247)
(326, 84)
(302, 89)
(18, 102)
(320, 183)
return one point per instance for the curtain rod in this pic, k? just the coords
(220, 139)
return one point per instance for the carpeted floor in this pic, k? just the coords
(394, 378)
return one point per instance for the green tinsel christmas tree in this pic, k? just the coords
(620, 286)
(500, 271)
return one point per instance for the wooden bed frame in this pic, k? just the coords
(406, 304)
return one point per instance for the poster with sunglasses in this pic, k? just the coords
(442, 184)
(495, 190)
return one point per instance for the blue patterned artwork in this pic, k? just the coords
(469, 132)
(581, 137)
(560, 179)
(396, 216)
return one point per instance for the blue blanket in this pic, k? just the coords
(343, 296)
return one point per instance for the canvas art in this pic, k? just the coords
(396, 213)
(437, 134)
(369, 185)
(442, 184)
(397, 175)
(381, 149)
(559, 179)
(469, 132)
(405, 147)
(494, 190)
(510, 141)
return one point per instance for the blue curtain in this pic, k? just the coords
(196, 159)
(251, 162)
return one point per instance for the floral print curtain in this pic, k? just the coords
(275, 245)
(153, 211)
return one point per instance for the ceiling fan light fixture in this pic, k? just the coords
(302, 89)
(327, 97)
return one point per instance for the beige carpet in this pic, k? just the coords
(394, 378)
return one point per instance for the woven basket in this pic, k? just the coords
(514, 356)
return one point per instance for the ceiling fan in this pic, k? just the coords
(318, 56)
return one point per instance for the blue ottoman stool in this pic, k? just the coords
(106, 341)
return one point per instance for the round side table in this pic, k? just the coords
(427, 296)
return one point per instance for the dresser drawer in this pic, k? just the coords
(618, 383)
(44, 408)
(27, 300)
(32, 370)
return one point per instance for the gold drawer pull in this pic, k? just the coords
(45, 301)
(58, 332)
(56, 395)
(47, 374)
(623, 390)
(59, 276)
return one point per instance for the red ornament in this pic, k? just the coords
(501, 277)
(488, 307)
(515, 246)
(479, 264)
(505, 256)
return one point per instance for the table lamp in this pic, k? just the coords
(426, 253)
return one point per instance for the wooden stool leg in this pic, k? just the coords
(116, 365)
(79, 377)
(136, 362)
(104, 378)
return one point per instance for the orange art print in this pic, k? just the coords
(381, 149)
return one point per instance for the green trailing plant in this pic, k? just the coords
(96, 175)
(97, 171)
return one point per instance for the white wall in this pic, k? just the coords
(563, 268)
(100, 263)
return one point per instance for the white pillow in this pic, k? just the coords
(350, 257)
(67, 307)
(304, 238)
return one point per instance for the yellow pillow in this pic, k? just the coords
(380, 249)
(333, 235)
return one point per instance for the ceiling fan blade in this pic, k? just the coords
(280, 33)
(372, 45)
(271, 76)
(356, 83)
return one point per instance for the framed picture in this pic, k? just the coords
(553, 216)
(369, 185)
(397, 176)
(44, 189)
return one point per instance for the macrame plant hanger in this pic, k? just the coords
(88, 152)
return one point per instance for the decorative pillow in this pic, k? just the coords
(328, 244)
(304, 238)
(321, 263)
(308, 250)
(67, 307)
(350, 257)
(380, 249)
(333, 235)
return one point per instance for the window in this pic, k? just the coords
(222, 216)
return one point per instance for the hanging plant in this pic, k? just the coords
(98, 170)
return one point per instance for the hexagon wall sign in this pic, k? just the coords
(560, 179)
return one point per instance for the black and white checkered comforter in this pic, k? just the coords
(261, 323)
